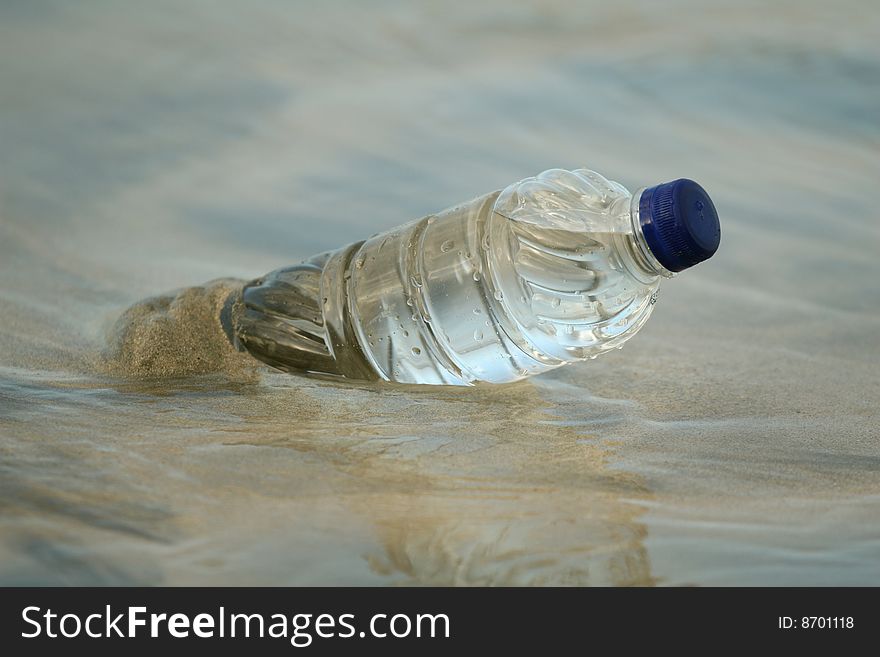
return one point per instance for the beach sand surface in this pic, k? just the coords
(164, 151)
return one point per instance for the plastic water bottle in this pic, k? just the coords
(552, 270)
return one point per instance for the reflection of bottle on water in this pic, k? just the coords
(552, 270)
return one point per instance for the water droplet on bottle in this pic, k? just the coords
(409, 302)
(359, 263)
(416, 281)
(485, 242)
(488, 323)
(477, 276)
(477, 311)
(415, 317)
(522, 299)
(446, 247)
(416, 351)
(556, 302)
(401, 326)
(406, 334)
(478, 335)
(499, 295)
(326, 300)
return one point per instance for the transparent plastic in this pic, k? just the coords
(552, 270)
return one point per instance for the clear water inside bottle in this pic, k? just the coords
(513, 283)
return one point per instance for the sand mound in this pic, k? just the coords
(178, 334)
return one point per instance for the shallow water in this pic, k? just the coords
(735, 440)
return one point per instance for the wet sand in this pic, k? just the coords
(147, 151)
(178, 334)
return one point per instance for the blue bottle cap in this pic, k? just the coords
(679, 223)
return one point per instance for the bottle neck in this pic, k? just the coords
(641, 252)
